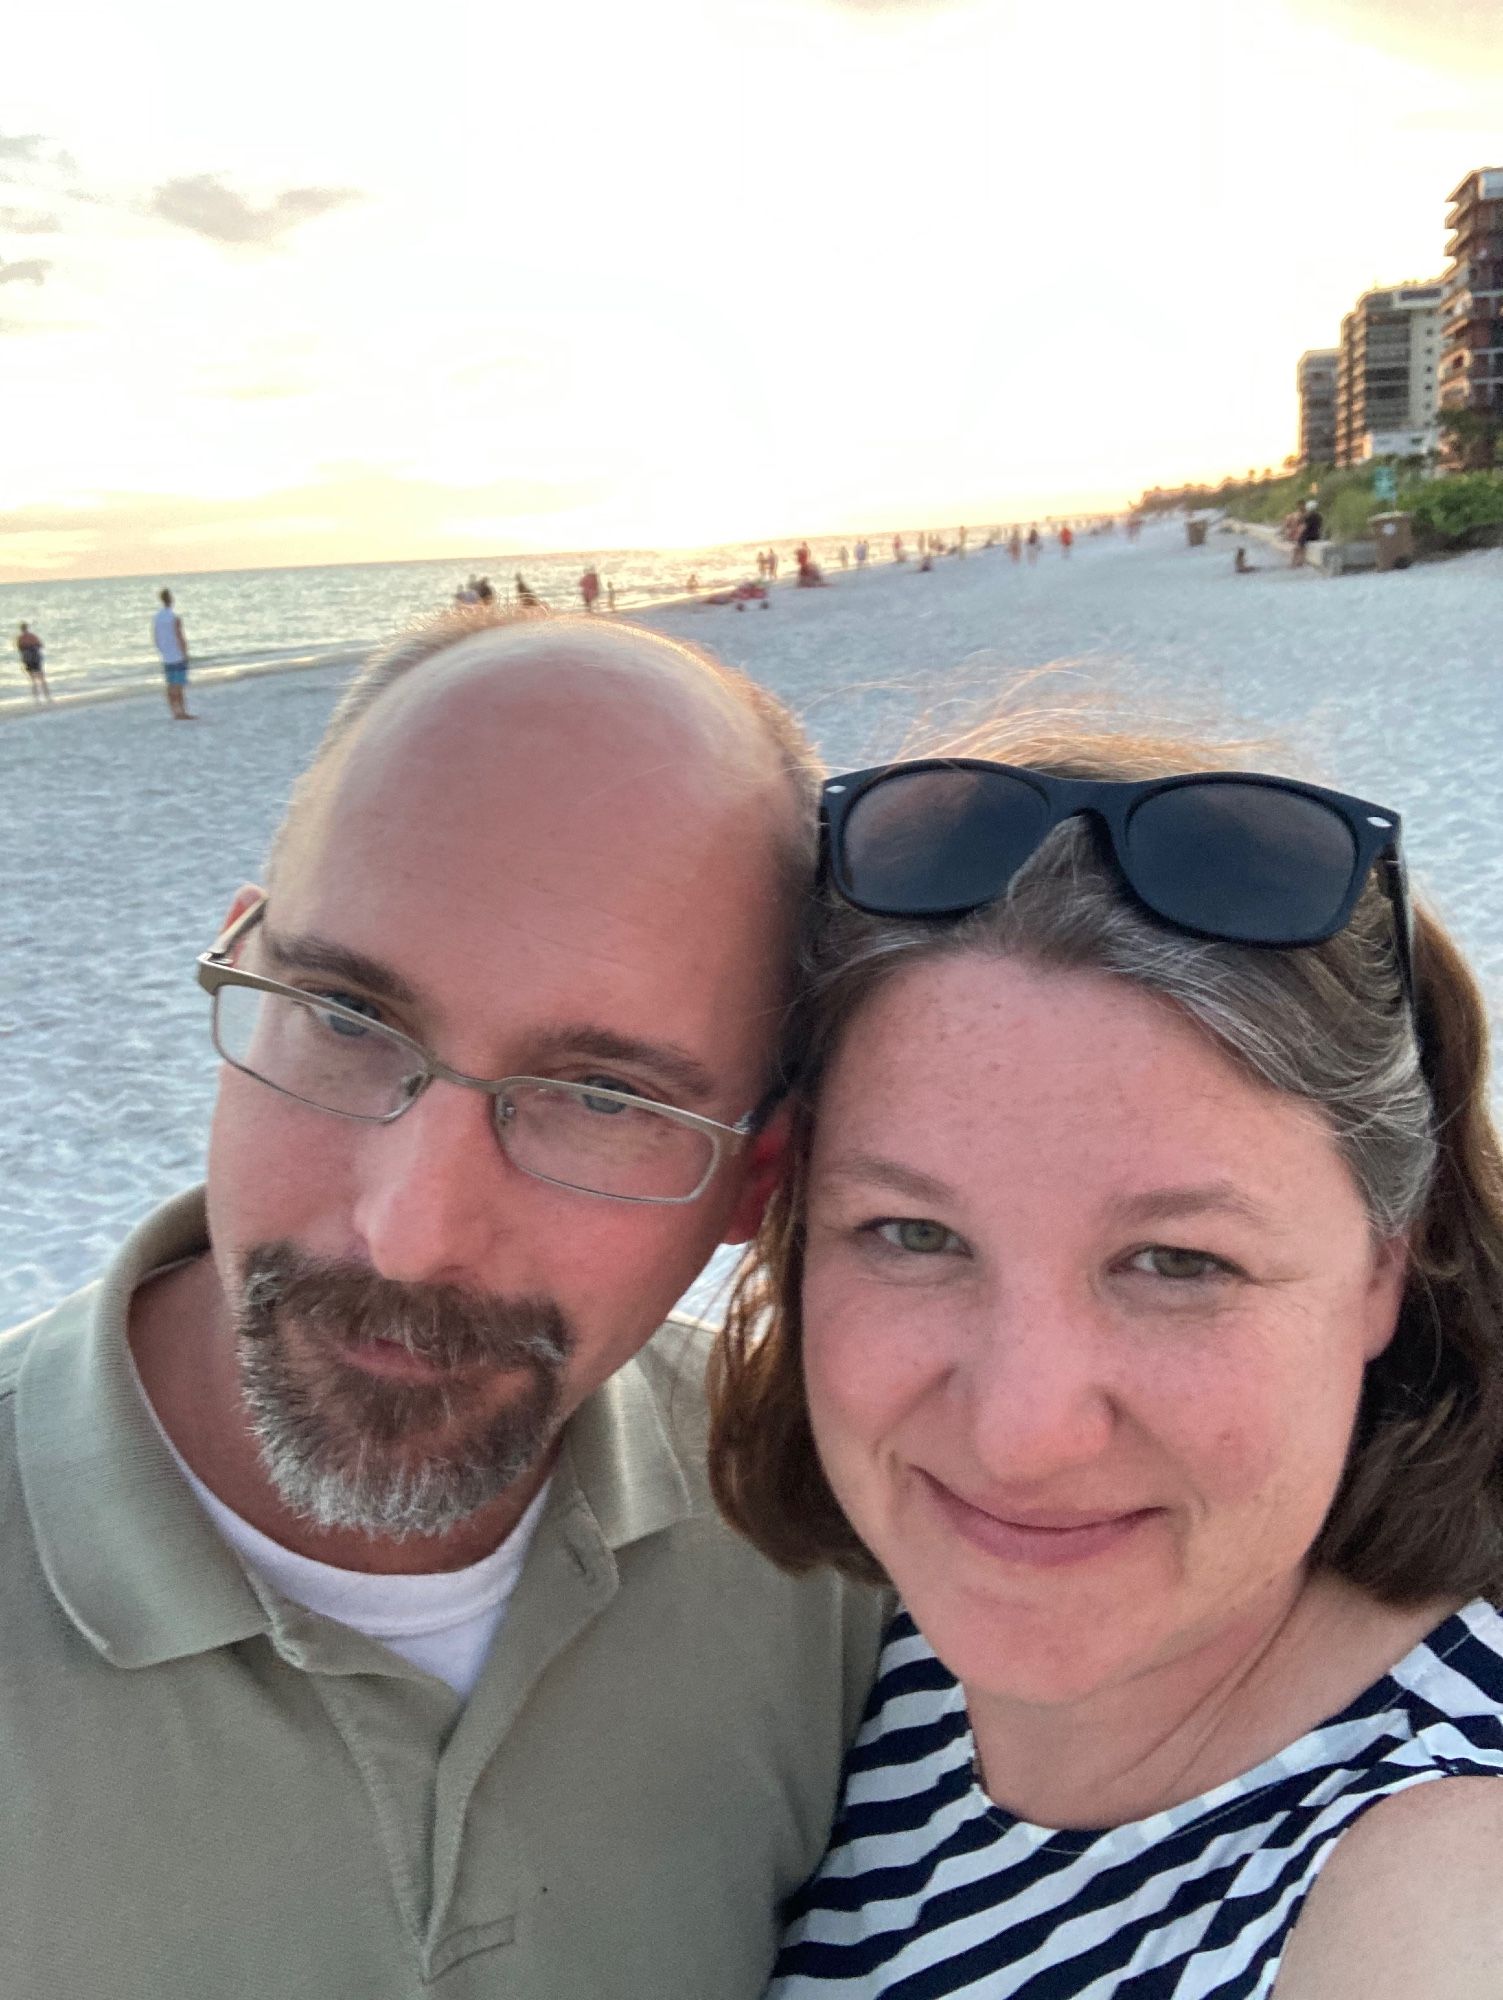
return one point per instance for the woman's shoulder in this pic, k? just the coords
(1408, 1902)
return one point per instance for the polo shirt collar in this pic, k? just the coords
(129, 1553)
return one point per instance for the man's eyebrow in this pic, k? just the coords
(873, 1171)
(681, 1073)
(306, 951)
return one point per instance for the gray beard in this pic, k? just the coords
(345, 1449)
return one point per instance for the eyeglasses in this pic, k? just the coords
(325, 1052)
(1236, 855)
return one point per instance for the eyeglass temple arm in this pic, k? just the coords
(228, 938)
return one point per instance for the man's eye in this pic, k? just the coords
(916, 1236)
(606, 1107)
(1163, 1260)
(337, 1023)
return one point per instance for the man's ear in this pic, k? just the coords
(767, 1156)
(245, 897)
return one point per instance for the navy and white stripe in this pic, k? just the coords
(929, 1890)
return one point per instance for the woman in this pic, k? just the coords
(1135, 1305)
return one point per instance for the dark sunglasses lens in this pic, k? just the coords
(927, 843)
(1249, 862)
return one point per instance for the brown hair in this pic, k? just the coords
(1419, 1509)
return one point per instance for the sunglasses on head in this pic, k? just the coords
(1235, 855)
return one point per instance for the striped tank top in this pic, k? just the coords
(930, 1890)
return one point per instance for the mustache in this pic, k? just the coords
(346, 1303)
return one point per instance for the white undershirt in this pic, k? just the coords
(443, 1622)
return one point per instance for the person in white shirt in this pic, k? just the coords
(172, 644)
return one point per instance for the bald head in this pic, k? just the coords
(692, 722)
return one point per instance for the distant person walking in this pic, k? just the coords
(589, 587)
(29, 646)
(1066, 538)
(1033, 544)
(1015, 546)
(610, 597)
(172, 644)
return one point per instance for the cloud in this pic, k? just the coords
(29, 271)
(203, 204)
(29, 222)
(31, 149)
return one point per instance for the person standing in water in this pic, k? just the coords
(29, 646)
(172, 644)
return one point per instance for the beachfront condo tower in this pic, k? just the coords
(1471, 355)
(1387, 374)
(1317, 405)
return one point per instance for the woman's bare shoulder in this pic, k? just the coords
(1410, 1902)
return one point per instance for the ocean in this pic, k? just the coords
(97, 632)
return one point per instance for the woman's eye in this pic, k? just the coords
(1162, 1260)
(916, 1236)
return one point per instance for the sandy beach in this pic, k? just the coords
(129, 835)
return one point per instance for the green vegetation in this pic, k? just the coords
(1449, 508)
(1446, 510)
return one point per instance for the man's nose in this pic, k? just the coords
(432, 1189)
(1037, 1383)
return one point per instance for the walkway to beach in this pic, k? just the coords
(128, 835)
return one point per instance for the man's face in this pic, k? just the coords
(531, 877)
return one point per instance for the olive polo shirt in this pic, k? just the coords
(206, 1790)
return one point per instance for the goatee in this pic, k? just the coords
(348, 1448)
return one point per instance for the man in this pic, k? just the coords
(367, 1626)
(172, 644)
(29, 646)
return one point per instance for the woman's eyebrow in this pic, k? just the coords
(1209, 1197)
(873, 1171)
(308, 952)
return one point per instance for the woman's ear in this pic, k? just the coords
(1385, 1293)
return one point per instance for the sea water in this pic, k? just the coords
(97, 632)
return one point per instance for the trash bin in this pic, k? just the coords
(1394, 536)
(1195, 534)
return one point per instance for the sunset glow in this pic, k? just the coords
(308, 285)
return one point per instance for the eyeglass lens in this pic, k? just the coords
(927, 842)
(579, 1138)
(1243, 861)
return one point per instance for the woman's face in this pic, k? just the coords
(1086, 1313)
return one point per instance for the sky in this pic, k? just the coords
(299, 283)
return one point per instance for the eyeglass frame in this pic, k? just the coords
(215, 970)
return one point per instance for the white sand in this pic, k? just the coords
(129, 835)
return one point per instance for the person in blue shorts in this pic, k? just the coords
(172, 644)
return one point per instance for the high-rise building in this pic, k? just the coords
(1471, 361)
(1317, 405)
(1387, 374)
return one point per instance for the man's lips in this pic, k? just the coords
(1038, 1538)
(394, 1361)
